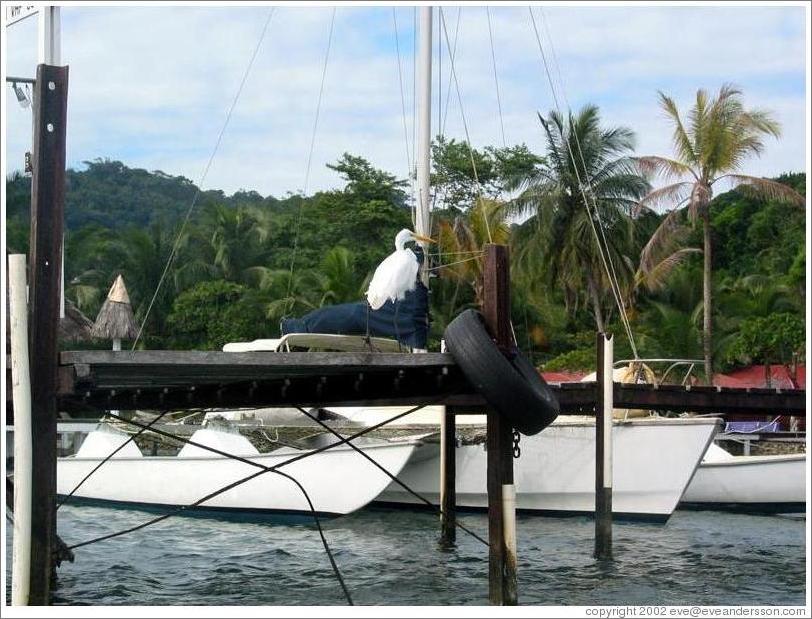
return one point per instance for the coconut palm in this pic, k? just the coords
(710, 147)
(461, 241)
(589, 181)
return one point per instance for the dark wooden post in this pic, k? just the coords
(604, 408)
(448, 481)
(47, 213)
(496, 311)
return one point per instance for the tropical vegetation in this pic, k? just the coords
(711, 265)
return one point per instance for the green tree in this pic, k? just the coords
(460, 174)
(589, 172)
(777, 338)
(719, 136)
(212, 313)
(367, 183)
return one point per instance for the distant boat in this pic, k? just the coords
(762, 484)
(338, 480)
(654, 460)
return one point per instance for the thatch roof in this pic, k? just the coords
(75, 326)
(116, 319)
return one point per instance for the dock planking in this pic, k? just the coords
(162, 380)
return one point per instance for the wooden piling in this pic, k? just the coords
(604, 408)
(47, 212)
(496, 312)
(448, 474)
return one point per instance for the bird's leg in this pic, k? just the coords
(397, 330)
(366, 339)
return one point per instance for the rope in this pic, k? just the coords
(310, 153)
(324, 543)
(451, 264)
(451, 56)
(199, 188)
(456, 253)
(601, 227)
(613, 284)
(403, 112)
(496, 77)
(465, 126)
(243, 480)
(394, 478)
(130, 439)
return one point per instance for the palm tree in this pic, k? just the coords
(462, 241)
(719, 135)
(589, 181)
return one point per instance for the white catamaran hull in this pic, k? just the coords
(769, 484)
(338, 480)
(653, 459)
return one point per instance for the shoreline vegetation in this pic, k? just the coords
(676, 241)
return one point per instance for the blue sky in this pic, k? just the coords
(151, 85)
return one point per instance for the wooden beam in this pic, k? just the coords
(448, 475)
(496, 312)
(193, 379)
(47, 214)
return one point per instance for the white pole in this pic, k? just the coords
(21, 393)
(509, 533)
(116, 343)
(423, 162)
(50, 35)
(608, 409)
(603, 447)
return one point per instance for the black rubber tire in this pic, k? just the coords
(511, 385)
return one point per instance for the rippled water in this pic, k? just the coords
(392, 557)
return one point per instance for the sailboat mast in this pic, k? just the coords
(423, 160)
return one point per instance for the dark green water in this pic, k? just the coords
(392, 557)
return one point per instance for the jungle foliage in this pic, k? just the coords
(245, 260)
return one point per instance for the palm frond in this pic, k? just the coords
(655, 278)
(661, 241)
(765, 189)
(682, 140)
(675, 193)
(652, 165)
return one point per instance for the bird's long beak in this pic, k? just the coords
(425, 239)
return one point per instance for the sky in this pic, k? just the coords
(151, 86)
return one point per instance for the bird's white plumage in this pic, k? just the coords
(396, 275)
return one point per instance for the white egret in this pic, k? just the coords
(397, 274)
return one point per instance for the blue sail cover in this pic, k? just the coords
(408, 323)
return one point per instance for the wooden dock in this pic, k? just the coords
(168, 380)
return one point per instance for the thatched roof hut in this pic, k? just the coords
(116, 320)
(74, 326)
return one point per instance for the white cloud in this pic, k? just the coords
(151, 86)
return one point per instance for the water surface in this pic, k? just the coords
(392, 557)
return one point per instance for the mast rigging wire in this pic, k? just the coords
(602, 228)
(403, 110)
(496, 77)
(310, 155)
(611, 273)
(465, 125)
(203, 176)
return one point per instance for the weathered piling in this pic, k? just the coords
(502, 556)
(47, 209)
(21, 387)
(448, 475)
(604, 408)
